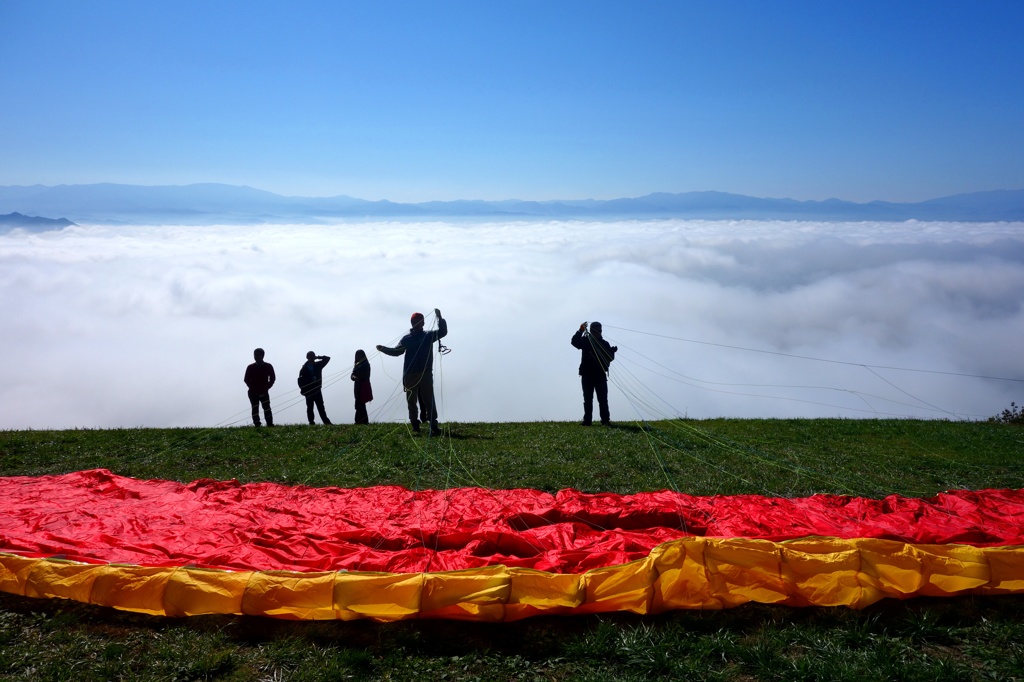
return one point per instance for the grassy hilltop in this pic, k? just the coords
(723, 456)
(967, 638)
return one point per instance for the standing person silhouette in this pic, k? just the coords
(259, 378)
(418, 370)
(596, 354)
(361, 386)
(311, 379)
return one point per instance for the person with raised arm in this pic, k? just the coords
(595, 357)
(418, 372)
(311, 380)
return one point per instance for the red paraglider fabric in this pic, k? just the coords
(98, 517)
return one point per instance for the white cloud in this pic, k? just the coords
(144, 326)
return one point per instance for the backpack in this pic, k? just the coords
(307, 380)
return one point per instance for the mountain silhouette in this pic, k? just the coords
(212, 203)
(13, 221)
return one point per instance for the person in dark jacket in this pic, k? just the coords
(311, 380)
(418, 371)
(596, 355)
(259, 378)
(361, 386)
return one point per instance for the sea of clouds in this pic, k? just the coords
(153, 326)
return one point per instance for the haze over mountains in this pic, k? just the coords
(209, 203)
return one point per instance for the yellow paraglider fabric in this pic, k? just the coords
(689, 573)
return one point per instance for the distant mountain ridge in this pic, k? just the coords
(217, 203)
(13, 221)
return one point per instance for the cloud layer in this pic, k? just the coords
(143, 326)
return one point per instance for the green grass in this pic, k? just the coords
(926, 639)
(775, 457)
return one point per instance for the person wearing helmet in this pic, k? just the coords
(418, 370)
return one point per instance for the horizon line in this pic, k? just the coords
(516, 199)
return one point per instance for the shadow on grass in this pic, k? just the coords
(454, 434)
(630, 428)
(920, 619)
(947, 638)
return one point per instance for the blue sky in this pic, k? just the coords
(536, 100)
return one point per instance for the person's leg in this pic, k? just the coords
(411, 397)
(361, 416)
(254, 402)
(320, 408)
(309, 408)
(428, 408)
(588, 400)
(268, 415)
(422, 397)
(601, 388)
(411, 393)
